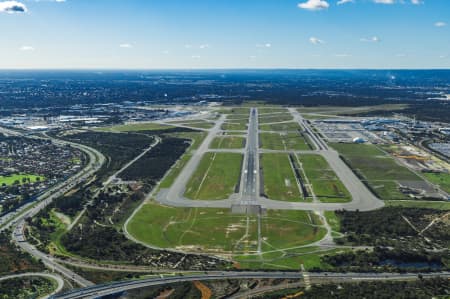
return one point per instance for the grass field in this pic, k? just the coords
(289, 126)
(279, 178)
(380, 171)
(274, 118)
(231, 142)
(289, 259)
(283, 141)
(216, 177)
(219, 231)
(9, 180)
(270, 110)
(440, 179)
(326, 185)
(198, 123)
(135, 127)
(234, 126)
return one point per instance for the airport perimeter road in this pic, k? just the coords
(58, 279)
(118, 287)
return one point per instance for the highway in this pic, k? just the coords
(17, 220)
(118, 287)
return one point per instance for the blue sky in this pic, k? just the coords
(160, 34)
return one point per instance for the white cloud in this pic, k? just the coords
(26, 48)
(204, 46)
(373, 39)
(384, 1)
(195, 56)
(12, 7)
(188, 46)
(126, 46)
(340, 2)
(440, 24)
(266, 45)
(316, 41)
(416, 2)
(314, 5)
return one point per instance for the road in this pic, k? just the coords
(118, 287)
(58, 279)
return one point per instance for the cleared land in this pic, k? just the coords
(232, 142)
(378, 170)
(216, 177)
(279, 178)
(289, 126)
(283, 141)
(326, 185)
(20, 179)
(218, 231)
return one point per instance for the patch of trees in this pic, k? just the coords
(13, 260)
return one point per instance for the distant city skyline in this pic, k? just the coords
(201, 34)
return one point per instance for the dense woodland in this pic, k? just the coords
(150, 168)
(117, 148)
